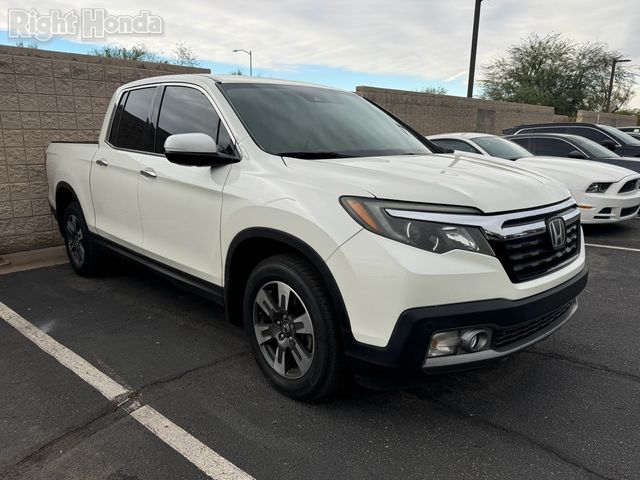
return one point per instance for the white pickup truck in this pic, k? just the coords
(326, 226)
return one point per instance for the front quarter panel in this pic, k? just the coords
(262, 192)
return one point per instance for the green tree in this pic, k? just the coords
(183, 54)
(32, 44)
(556, 71)
(138, 52)
(433, 90)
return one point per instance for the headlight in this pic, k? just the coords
(598, 187)
(433, 237)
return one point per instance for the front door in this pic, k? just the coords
(180, 206)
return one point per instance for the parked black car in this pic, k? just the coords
(610, 137)
(630, 129)
(571, 146)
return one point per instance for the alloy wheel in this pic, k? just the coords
(283, 330)
(75, 239)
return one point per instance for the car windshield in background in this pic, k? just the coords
(619, 135)
(501, 148)
(594, 149)
(313, 122)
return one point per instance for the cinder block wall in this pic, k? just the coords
(613, 119)
(430, 114)
(47, 96)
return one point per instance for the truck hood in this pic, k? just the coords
(576, 174)
(486, 183)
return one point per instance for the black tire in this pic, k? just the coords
(81, 251)
(325, 372)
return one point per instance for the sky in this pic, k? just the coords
(405, 44)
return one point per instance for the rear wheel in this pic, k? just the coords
(292, 327)
(80, 249)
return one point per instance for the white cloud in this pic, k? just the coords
(428, 39)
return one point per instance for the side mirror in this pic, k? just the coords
(196, 150)
(577, 154)
(610, 144)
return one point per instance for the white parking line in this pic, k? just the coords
(612, 247)
(78, 365)
(192, 449)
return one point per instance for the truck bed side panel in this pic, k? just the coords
(71, 163)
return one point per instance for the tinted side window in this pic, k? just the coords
(455, 145)
(590, 133)
(115, 124)
(523, 142)
(187, 110)
(552, 147)
(134, 130)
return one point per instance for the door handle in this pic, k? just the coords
(102, 162)
(149, 173)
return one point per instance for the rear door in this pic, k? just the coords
(180, 206)
(552, 147)
(116, 169)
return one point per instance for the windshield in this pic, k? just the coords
(501, 148)
(622, 137)
(314, 122)
(594, 149)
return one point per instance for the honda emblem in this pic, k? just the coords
(557, 232)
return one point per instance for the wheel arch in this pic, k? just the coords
(243, 255)
(65, 194)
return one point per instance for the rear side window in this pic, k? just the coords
(132, 127)
(590, 133)
(452, 144)
(552, 147)
(187, 110)
(115, 125)
(523, 142)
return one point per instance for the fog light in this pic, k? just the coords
(475, 340)
(444, 343)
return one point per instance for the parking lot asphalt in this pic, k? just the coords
(567, 408)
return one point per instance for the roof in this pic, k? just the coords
(199, 78)
(568, 136)
(556, 124)
(468, 135)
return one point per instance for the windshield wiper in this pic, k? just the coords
(314, 155)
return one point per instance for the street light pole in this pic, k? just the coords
(250, 53)
(613, 72)
(474, 48)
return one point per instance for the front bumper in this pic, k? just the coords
(608, 208)
(409, 341)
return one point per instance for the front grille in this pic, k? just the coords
(630, 186)
(505, 336)
(531, 256)
(628, 211)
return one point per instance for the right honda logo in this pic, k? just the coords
(557, 232)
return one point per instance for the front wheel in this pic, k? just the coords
(292, 327)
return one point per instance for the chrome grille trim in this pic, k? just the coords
(494, 225)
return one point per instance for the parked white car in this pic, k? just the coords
(605, 193)
(327, 227)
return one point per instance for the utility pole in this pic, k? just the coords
(613, 72)
(474, 48)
